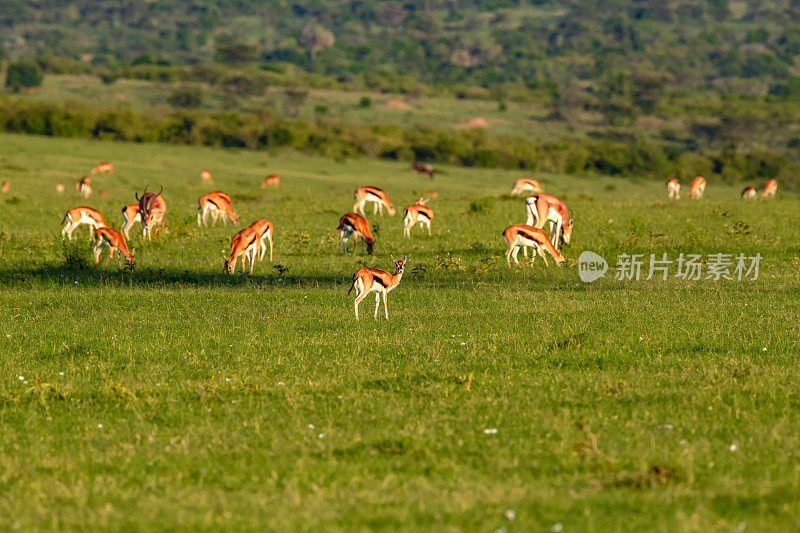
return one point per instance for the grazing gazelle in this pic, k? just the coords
(5, 186)
(114, 241)
(130, 216)
(376, 196)
(270, 181)
(543, 208)
(367, 280)
(770, 187)
(217, 204)
(674, 188)
(105, 166)
(152, 208)
(351, 223)
(423, 168)
(82, 215)
(749, 193)
(205, 176)
(244, 244)
(524, 185)
(60, 188)
(523, 236)
(698, 188)
(418, 212)
(84, 189)
(264, 230)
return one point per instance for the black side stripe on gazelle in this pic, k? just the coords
(527, 234)
(379, 280)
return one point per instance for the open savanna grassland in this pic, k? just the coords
(177, 396)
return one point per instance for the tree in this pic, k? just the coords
(314, 38)
(23, 74)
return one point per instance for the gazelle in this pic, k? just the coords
(217, 204)
(82, 215)
(523, 236)
(104, 166)
(674, 188)
(152, 208)
(770, 187)
(414, 213)
(244, 244)
(60, 188)
(543, 208)
(5, 187)
(130, 216)
(84, 189)
(698, 188)
(524, 185)
(264, 230)
(270, 181)
(351, 223)
(423, 168)
(205, 176)
(749, 193)
(114, 241)
(376, 196)
(367, 280)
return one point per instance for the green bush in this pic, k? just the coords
(23, 74)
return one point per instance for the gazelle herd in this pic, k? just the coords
(249, 245)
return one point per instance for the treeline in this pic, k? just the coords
(262, 130)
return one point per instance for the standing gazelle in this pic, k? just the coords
(770, 187)
(367, 280)
(524, 185)
(674, 189)
(351, 223)
(205, 176)
(264, 230)
(418, 212)
(271, 181)
(523, 236)
(82, 215)
(114, 241)
(104, 166)
(130, 216)
(217, 204)
(84, 187)
(376, 196)
(698, 188)
(244, 244)
(749, 193)
(152, 208)
(543, 208)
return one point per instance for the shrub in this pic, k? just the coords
(186, 97)
(365, 102)
(23, 74)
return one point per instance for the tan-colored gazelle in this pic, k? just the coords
(698, 188)
(674, 189)
(103, 166)
(524, 236)
(217, 204)
(417, 213)
(770, 188)
(205, 176)
(376, 196)
(353, 223)
(749, 193)
(526, 185)
(543, 208)
(114, 241)
(271, 181)
(244, 245)
(264, 230)
(367, 280)
(152, 208)
(130, 216)
(82, 215)
(84, 187)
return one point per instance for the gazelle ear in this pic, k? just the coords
(404, 259)
(393, 259)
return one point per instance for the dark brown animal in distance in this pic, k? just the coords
(422, 168)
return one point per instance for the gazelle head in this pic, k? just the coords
(230, 264)
(399, 264)
(566, 231)
(422, 201)
(131, 257)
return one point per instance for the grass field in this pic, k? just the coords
(177, 396)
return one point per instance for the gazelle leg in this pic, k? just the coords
(270, 248)
(214, 218)
(385, 309)
(252, 255)
(533, 253)
(377, 303)
(515, 253)
(360, 296)
(98, 249)
(199, 218)
(541, 252)
(508, 254)
(429, 228)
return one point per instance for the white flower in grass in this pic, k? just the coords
(511, 515)
(60, 373)
(21, 378)
(558, 526)
(76, 282)
(765, 348)
(490, 431)
(99, 426)
(280, 383)
(311, 426)
(733, 447)
(322, 435)
(665, 426)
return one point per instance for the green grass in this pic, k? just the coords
(206, 385)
